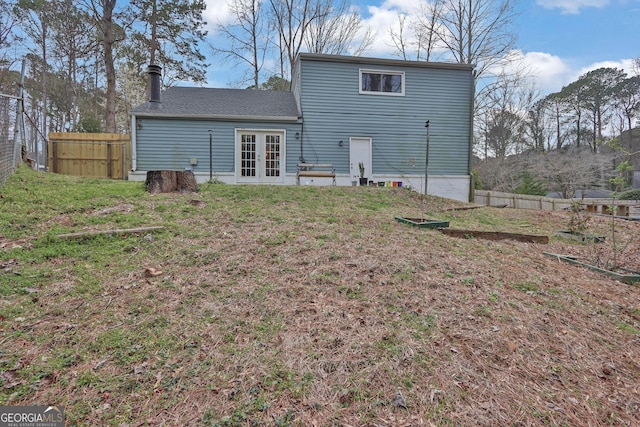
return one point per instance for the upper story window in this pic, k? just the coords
(382, 82)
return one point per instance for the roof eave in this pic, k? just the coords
(156, 115)
(383, 61)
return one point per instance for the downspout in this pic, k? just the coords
(470, 156)
(301, 159)
(132, 148)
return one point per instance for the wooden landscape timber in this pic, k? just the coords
(628, 277)
(495, 235)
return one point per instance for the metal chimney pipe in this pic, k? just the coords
(154, 72)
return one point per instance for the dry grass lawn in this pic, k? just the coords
(306, 306)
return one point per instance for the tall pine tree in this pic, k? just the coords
(169, 32)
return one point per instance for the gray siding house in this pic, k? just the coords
(341, 111)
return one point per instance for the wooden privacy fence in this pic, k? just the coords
(98, 155)
(629, 208)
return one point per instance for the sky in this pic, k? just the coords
(559, 40)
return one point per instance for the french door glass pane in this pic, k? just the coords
(248, 155)
(272, 155)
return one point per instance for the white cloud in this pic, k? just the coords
(549, 72)
(404, 6)
(571, 6)
(217, 12)
(624, 64)
(384, 17)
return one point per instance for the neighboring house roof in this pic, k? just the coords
(198, 102)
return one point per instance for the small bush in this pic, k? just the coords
(630, 195)
(529, 185)
(477, 182)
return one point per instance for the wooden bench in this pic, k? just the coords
(316, 170)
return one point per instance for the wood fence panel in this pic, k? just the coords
(97, 155)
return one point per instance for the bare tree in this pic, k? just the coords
(248, 35)
(477, 31)
(426, 27)
(564, 171)
(291, 20)
(571, 169)
(103, 16)
(504, 132)
(317, 26)
(636, 66)
(131, 92)
(417, 38)
(502, 113)
(8, 24)
(335, 29)
(536, 126)
(400, 38)
(72, 49)
(35, 18)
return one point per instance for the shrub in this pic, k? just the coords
(630, 195)
(477, 182)
(529, 185)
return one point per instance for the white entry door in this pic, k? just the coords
(259, 156)
(360, 152)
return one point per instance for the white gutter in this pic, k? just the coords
(155, 115)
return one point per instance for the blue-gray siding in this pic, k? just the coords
(169, 144)
(334, 110)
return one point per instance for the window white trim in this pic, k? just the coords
(385, 72)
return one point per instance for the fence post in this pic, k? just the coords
(109, 160)
(124, 160)
(54, 148)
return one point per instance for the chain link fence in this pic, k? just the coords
(10, 148)
(21, 139)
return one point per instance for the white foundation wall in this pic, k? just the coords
(446, 186)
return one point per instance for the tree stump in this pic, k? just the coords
(186, 182)
(171, 181)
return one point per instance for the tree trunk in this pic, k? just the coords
(107, 45)
(154, 33)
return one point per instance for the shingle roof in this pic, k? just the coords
(225, 103)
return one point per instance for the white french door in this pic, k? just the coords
(259, 156)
